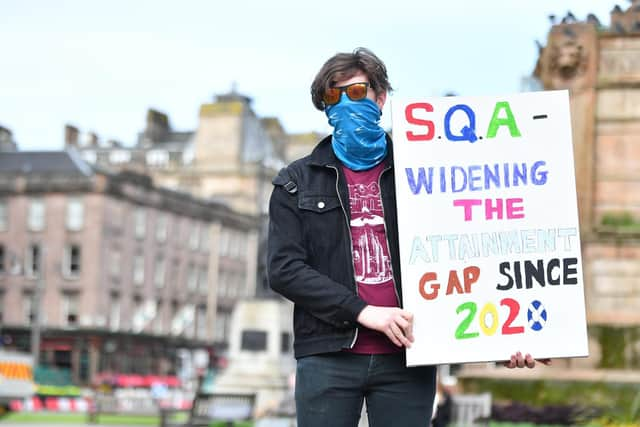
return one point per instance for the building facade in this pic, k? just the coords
(600, 67)
(230, 157)
(112, 267)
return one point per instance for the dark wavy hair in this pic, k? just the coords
(343, 66)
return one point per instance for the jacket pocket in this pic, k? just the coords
(323, 230)
(318, 203)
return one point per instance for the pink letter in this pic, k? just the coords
(514, 211)
(489, 209)
(468, 205)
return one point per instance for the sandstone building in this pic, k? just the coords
(113, 267)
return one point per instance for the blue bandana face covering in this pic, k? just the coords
(358, 140)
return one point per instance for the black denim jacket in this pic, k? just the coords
(309, 256)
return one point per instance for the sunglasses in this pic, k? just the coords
(355, 92)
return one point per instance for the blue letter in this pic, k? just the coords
(422, 180)
(467, 133)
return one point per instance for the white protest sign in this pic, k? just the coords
(488, 223)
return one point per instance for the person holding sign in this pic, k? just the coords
(333, 251)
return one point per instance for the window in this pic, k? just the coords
(4, 215)
(222, 284)
(221, 327)
(136, 312)
(71, 261)
(158, 277)
(183, 233)
(285, 342)
(224, 242)
(158, 326)
(35, 216)
(201, 322)
(3, 261)
(253, 340)
(174, 282)
(242, 245)
(232, 288)
(28, 308)
(115, 263)
(194, 237)
(161, 228)
(138, 270)
(114, 313)
(204, 239)
(70, 310)
(119, 156)
(89, 156)
(203, 280)
(140, 223)
(192, 278)
(242, 283)
(233, 244)
(75, 213)
(157, 158)
(116, 215)
(190, 321)
(1, 307)
(32, 260)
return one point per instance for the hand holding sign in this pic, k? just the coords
(518, 361)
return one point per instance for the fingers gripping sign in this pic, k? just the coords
(517, 360)
(395, 323)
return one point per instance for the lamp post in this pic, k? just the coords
(16, 270)
(35, 323)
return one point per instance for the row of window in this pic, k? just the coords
(36, 214)
(33, 260)
(68, 309)
(231, 284)
(188, 320)
(191, 320)
(195, 234)
(155, 158)
(197, 276)
(232, 243)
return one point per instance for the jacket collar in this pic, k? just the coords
(323, 155)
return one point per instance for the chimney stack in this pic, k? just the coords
(92, 139)
(158, 126)
(71, 134)
(7, 144)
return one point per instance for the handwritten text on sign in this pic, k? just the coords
(489, 237)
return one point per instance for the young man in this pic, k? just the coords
(333, 251)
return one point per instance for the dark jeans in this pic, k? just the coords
(330, 389)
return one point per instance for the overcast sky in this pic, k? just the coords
(100, 64)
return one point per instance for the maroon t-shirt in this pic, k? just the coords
(371, 261)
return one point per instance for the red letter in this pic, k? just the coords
(408, 113)
(426, 277)
(471, 275)
(454, 282)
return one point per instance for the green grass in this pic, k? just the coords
(81, 419)
(501, 424)
(61, 418)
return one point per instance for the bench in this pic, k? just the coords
(212, 407)
(470, 410)
(109, 404)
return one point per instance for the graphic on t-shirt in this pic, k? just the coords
(370, 259)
